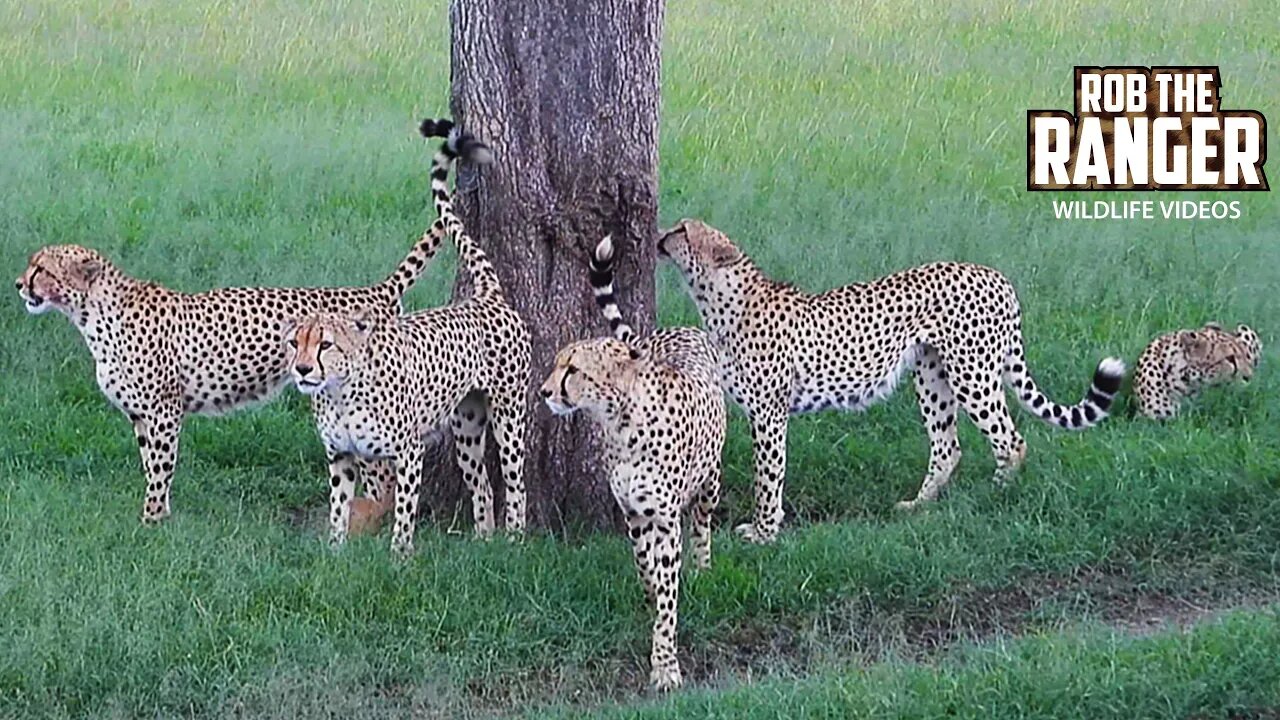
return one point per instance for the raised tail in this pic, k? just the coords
(602, 285)
(1090, 411)
(457, 144)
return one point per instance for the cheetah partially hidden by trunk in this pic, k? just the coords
(162, 355)
(381, 384)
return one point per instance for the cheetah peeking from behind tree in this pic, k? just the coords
(162, 355)
(659, 404)
(381, 384)
(957, 326)
(1177, 365)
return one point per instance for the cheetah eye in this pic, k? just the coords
(325, 345)
(293, 343)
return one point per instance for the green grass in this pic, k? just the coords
(238, 143)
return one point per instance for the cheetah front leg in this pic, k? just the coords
(664, 671)
(408, 484)
(769, 446)
(157, 434)
(342, 487)
(703, 506)
(640, 530)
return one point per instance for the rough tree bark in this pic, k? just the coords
(566, 92)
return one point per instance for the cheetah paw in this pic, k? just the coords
(666, 678)
(749, 533)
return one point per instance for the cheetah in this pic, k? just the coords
(162, 355)
(380, 385)
(957, 326)
(659, 404)
(1178, 364)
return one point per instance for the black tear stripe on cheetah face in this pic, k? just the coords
(380, 385)
(660, 406)
(162, 355)
(957, 326)
(1178, 365)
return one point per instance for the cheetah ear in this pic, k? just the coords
(1192, 344)
(724, 254)
(90, 269)
(288, 325)
(360, 322)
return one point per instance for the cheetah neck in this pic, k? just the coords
(727, 297)
(99, 319)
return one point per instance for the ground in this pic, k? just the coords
(1130, 570)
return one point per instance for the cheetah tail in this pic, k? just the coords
(602, 285)
(1090, 411)
(458, 144)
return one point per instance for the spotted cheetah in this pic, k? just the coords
(958, 326)
(1178, 364)
(380, 385)
(162, 355)
(659, 404)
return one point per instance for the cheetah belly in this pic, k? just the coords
(851, 388)
(211, 395)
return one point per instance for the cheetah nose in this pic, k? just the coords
(303, 370)
(544, 392)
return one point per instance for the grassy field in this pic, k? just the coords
(204, 144)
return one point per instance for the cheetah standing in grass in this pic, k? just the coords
(659, 403)
(957, 326)
(381, 384)
(162, 355)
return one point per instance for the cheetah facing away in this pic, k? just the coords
(957, 326)
(380, 385)
(1177, 365)
(162, 355)
(659, 404)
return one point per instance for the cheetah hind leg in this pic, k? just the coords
(468, 424)
(938, 410)
(984, 401)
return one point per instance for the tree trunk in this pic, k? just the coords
(566, 92)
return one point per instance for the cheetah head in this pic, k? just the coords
(590, 375)
(698, 249)
(1218, 356)
(323, 347)
(60, 277)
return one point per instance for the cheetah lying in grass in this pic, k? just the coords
(1177, 365)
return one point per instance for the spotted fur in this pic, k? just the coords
(659, 405)
(957, 326)
(1177, 365)
(162, 355)
(380, 385)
